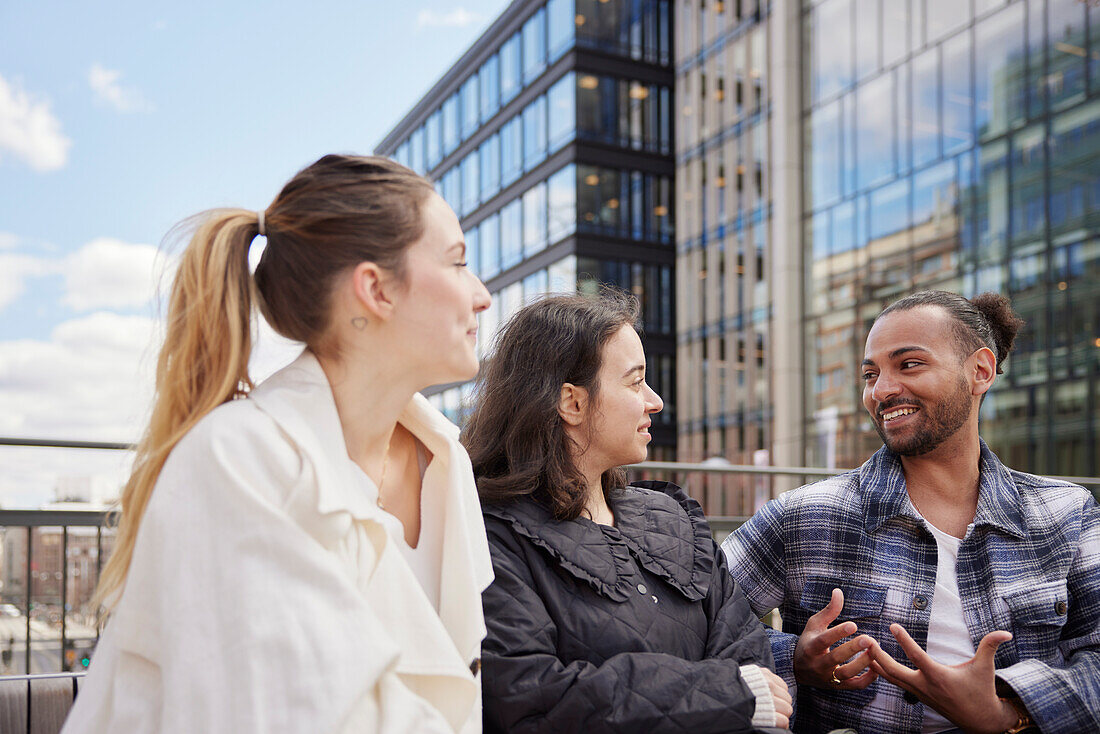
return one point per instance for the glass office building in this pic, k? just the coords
(551, 138)
(724, 221)
(955, 145)
(835, 155)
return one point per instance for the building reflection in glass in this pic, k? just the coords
(957, 148)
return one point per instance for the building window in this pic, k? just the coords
(534, 133)
(489, 82)
(534, 46)
(473, 251)
(416, 151)
(471, 187)
(451, 188)
(639, 30)
(534, 219)
(511, 299)
(489, 241)
(628, 204)
(562, 275)
(434, 149)
(560, 23)
(561, 101)
(511, 235)
(470, 108)
(562, 203)
(450, 124)
(511, 150)
(489, 156)
(624, 113)
(651, 284)
(510, 69)
(534, 285)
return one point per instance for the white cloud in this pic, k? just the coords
(104, 273)
(91, 380)
(457, 18)
(15, 270)
(29, 131)
(109, 273)
(105, 84)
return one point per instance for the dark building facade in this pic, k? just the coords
(551, 138)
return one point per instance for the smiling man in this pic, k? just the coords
(933, 589)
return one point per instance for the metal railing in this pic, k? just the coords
(67, 647)
(65, 519)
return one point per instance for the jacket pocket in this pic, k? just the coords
(861, 601)
(863, 604)
(1039, 613)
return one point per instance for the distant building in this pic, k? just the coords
(829, 157)
(551, 138)
(79, 546)
(835, 155)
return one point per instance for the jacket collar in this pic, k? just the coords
(882, 487)
(656, 522)
(299, 399)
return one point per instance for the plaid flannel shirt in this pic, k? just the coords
(1029, 564)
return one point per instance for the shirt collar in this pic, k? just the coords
(998, 497)
(882, 485)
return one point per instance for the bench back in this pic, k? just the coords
(36, 704)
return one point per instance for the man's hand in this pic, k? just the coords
(781, 697)
(815, 664)
(966, 693)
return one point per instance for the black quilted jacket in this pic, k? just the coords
(634, 628)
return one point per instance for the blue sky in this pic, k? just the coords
(118, 120)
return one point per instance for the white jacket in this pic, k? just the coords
(265, 595)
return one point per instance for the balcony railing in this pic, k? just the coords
(48, 559)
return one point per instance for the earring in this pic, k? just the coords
(359, 322)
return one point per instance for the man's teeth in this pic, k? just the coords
(897, 413)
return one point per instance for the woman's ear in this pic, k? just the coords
(572, 404)
(371, 285)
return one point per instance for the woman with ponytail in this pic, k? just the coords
(308, 554)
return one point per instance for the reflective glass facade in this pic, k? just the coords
(957, 146)
(551, 138)
(835, 155)
(723, 216)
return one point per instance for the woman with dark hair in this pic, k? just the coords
(612, 609)
(308, 555)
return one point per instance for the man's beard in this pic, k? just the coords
(935, 426)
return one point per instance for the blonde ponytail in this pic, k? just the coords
(335, 213)
(202, 364)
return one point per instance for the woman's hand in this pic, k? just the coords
(781, 697)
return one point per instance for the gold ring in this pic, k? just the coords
(836, 681)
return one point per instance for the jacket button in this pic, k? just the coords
(1060, 607)
(910, 698)
(920, 602)
(475, 666)
(641, 588)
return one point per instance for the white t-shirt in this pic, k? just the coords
(948, 638)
